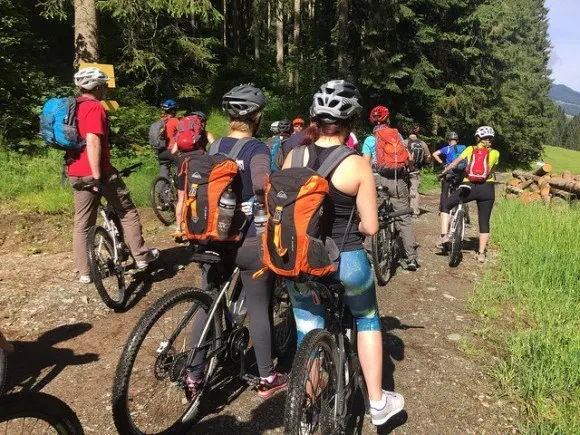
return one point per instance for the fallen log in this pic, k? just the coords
(567, 175)
(526, 184)
(525, 197)
(534, 188)
(562, 193)
(534, 196)
(514, 189)
(567, 185)
(545, 192)
(544, 169)
(517, 173)
(513, 182)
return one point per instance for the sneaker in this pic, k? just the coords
(481, 256)
(267, 389)
(192, 388)
(442, 242)
(85, 279)
(394, 404)
(152, 255)
(412, 265)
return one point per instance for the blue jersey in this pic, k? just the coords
(451, 152)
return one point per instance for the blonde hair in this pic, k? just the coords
(248, 125)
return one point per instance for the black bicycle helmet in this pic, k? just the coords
(336, 99)
(200, 115)
(452, 136)
(243, 100)
(285, 126)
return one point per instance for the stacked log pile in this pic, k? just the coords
(543, 185)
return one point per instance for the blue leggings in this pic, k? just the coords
(357, 277)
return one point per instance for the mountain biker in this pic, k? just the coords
(167, 157)
(334, 112)
(397, 188)
(481, 192)
(244, 106)
(93, 164)
(415, 174)
(298, 124)
(285, 131)
(450, 153)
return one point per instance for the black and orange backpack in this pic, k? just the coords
(207, 178)
(294, 245)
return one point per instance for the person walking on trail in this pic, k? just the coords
(168, 156)
(298, 125)
(449, 153)
(479, 176)
(93, 164)
(421, 156)
(385, 151)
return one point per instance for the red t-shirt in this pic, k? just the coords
(170, 129)
(92, 118)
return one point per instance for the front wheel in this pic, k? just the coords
(149, 386)
(382, 255)
(106, 271)
(312, 391)
(456, 238)
(163, 200)
(37, 413)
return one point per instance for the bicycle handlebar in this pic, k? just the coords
(399, 213)
(130, 169)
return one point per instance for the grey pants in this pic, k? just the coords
(398, 192)
(86, 207)
(414, 181)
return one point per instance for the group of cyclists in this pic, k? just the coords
(335, 109)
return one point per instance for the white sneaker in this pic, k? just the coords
(152, 255)
(394, 404)
(85, 279)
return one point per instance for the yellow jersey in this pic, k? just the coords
(493, 160)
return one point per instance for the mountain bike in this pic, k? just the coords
(109, 256)
(164, 196)
(326, 374)
(454, 180)
(37, 413)
(149, 385)
(386, 244)
(457, 227)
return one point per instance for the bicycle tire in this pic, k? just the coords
(284, 333)
(102, 269)
(163, 206)
(295, 414)
(3, 370)
(382, 255)
(456, 240)
(16, 408)
(124, 419)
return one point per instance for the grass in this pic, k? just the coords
(537, 294)
(429, 181)
(562, 159)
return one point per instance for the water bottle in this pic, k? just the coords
(227, 207)
(260, 222)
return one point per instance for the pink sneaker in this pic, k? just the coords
(267, 389)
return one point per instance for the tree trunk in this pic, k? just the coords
(225, 23)
(236, 25)
(567, 185)
(86, 32)
(297, 23)
(193, 23)
(562, 193)
(342, 37)
(280, 34)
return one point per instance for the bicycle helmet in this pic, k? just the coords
(89, 78)
(274, 127)
(169, 105)
(243, 100)
(200, 115)
(452, 136)
(336, 99)
(484, 131)
(285, 126)
(298, 121)
(378, 114)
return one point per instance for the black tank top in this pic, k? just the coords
(337, 207)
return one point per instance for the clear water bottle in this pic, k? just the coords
(260, 222)
(227, 207)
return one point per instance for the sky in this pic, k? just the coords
(564, 29)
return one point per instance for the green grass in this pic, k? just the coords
(562, 159)
(429, 181)
(536, 293)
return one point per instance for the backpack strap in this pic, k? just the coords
(215, 147)
(298, 157)
(333, 160)
(238, 146)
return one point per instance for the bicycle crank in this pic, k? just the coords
(238, 343)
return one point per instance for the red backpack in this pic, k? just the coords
(190, 134)
(392, 155)
(478, 169)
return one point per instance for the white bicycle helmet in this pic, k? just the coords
(274, 127)
(89, 78)
(485, 131)
(336, 99)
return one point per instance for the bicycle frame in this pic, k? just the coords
(112, 224)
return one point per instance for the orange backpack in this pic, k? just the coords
(392, 155)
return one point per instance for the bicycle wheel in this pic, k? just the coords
(163, 200)
(284, 333)
(312, 389)
(148, 390)
(3, 370)
(456, 239)
(107, 274)
(381, 252)
(37, 413)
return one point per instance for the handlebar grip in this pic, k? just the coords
(399, 213)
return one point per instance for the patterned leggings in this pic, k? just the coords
(357, 277)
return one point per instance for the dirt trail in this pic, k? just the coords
(70, 342)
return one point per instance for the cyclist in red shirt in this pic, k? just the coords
(93, 163)
(168, 156)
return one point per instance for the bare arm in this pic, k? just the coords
(436, 155)
(94, 154)
(367, 158)
(210, 138)
(174, 148)
(366, 201)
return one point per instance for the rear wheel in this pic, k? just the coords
(312, 390)
(107, 274)
(284, 333)
(163, 200)
(3, 370)
(382, 255)
(149, 386)
(456, 239)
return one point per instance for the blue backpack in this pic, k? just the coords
(58, 124)
(455, 151)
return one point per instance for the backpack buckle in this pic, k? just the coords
(193, 189)
(277, 217)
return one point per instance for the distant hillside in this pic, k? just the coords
(568, 99)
